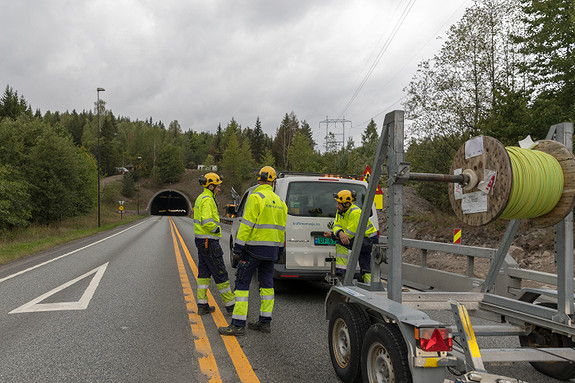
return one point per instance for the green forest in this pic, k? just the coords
(506, 69)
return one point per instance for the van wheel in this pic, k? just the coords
(542, 338)
(384, 355)
(233, 259)
(347, 327)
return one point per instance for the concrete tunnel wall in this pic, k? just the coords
(169, 202)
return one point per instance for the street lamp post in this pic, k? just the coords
(98, 106)
(138, 175)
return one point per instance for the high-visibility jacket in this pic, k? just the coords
(262, 227)
(349, 221)
(206, 217)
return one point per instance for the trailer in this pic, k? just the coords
(388, 330)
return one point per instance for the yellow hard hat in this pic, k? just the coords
(210, 179)
(344, 196)
(267, 173)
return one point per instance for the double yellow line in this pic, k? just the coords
(207, 361)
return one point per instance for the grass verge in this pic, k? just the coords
(34, 239)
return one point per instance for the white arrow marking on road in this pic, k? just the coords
(35, 305)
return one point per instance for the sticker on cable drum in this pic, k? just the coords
(488, 181)
(457, 188)
(474, 203)
(474, 147)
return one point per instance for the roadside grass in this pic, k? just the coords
(36, 238)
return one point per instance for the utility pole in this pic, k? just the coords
(98, 106)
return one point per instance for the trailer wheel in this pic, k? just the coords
(384, 355)
(542, 338)
(347, 327)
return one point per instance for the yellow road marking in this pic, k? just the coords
(239, 359)
(207, 361)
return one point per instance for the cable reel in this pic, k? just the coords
(513, 183)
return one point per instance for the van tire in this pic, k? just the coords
(233, 259)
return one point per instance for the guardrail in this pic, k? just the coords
(426, 278)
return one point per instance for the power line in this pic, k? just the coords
(389, 107)
(386, 45)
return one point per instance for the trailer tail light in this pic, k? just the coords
(434, 339)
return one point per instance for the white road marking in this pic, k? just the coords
(35, 305)
(65, 255)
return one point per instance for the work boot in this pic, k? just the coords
(203, 310)
(260, 326)
(232, 330)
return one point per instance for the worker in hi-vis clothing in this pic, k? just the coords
(260, 238)
(344, 229)
(210, 254)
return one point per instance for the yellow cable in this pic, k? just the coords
(537, 184)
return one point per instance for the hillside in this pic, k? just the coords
(532, 247)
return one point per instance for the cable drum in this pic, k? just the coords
(514, 183)
(537, 184)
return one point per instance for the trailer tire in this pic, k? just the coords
(557, 370)
(384, 355)
(347, 327)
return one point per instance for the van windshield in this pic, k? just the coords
(315, 198)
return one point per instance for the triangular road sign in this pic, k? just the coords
(378, 198)
(35, 305)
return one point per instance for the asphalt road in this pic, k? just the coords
(120, 307)
(112, 308)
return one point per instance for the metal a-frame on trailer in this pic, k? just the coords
(382, 333)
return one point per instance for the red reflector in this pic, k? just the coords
(328, 179)
(289, 276)
(434, 339)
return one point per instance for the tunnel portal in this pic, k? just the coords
(170, 202)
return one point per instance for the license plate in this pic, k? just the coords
(323, 241)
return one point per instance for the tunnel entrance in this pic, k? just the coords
(169, 202)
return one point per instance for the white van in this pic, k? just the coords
(311, 211)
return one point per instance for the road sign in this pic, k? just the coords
(378, 198)
(457, 236)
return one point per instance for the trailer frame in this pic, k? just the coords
(500, 298)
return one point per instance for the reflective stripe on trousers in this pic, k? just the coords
(226, 293)
(240, 314)
(267, 305)
(203, 284)
(341, 257)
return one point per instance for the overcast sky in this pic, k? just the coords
(204, 62)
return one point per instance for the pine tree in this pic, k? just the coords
(11, 106)
(306, 130)
(258, 142)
